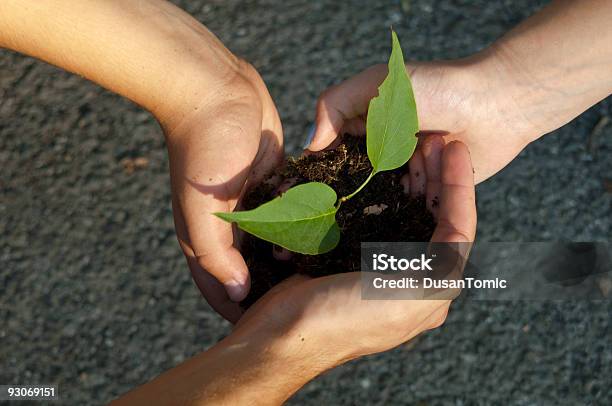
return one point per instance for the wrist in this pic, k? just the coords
(250, 366)
(544, 88)
(301, 348)
(262, 358)
(207, 95)
(518, 91)
(503, 96)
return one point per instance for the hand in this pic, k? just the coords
(225, 146)
(222, 129)
(328, 313)
(464, 100)
(303, 327)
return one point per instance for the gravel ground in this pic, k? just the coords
(94, 294)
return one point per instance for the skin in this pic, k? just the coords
(210, 104)
(533, 80)
(304, 327)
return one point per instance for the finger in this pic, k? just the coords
(350, 99)
(340, 107)
(431, 147)
(212, 290)
(225, 263)
(210, 239)
(418, 175)
(354, 126)
(438, 317)
(457, 212)
(206, 181)
(329, 121)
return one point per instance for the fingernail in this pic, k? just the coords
(311, 132)
(235, 290)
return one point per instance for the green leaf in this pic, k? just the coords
(392, 117)
(303, 219)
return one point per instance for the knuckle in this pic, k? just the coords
(325, 96)
(203, 263)
(439, 321)
(439, 318)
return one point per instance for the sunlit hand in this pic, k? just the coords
(461, 99)
(330, 311)
(225, 146)
(222, 129)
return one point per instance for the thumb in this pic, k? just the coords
(227, 265)
(457, 211)
(342, 106)
(212, 241)
(209, 241)
(329, 119)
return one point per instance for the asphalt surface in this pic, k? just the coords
(95, 296)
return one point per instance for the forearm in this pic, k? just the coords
(147, 50)
(557, 63)
(246, 368)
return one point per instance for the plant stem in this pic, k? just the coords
(345, 198)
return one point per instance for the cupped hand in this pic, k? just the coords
(466, 100)
(220, 149)
(329, 312)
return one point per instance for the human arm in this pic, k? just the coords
(222, 129)
(252, 366)
(137, 49)
(267, 359)
(536, 78)
(303, 327)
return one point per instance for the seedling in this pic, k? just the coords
(303, 219)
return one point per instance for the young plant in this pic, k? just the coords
(303, 219)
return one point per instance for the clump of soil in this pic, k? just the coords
(380, 212)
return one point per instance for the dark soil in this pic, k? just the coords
(360, 219)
